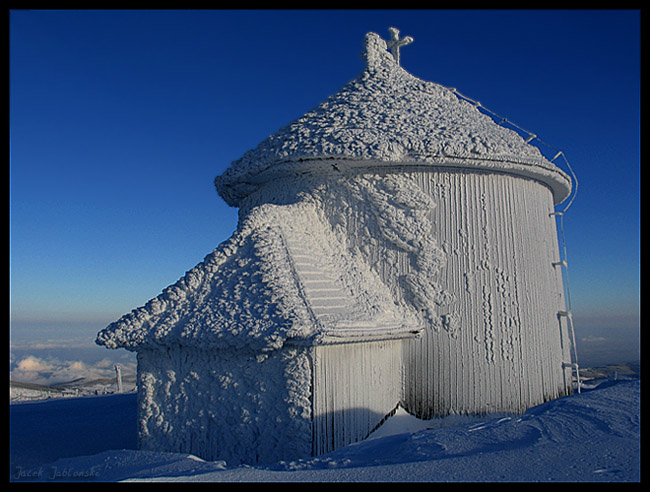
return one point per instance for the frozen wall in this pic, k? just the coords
(465, 255)
(500, 345)
(472, 254)
(236, 406)
(356, 386)
(246, 408)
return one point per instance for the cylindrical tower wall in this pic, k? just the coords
(501, 347)
(492, 339)
(474, 256)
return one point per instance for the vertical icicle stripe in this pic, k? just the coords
(503, 289)
(359, 384)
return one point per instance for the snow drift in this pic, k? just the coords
(593, 436)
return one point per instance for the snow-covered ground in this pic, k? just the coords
(592, 436)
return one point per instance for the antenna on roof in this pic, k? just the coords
(396, 43)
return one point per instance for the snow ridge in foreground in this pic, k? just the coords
(593, 436)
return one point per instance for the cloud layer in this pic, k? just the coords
(51, 362)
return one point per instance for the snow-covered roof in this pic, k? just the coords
(277, 279)
(388, 116)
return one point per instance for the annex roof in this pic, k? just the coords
(281, 277)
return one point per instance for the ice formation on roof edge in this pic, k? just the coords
(386, 116)
(250, 292)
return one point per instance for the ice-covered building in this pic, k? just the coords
(395, 247)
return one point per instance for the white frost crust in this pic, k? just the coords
(225, 405)
(387, 115)
(282, 275)
(240, 295)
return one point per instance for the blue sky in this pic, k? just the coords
(120, 120)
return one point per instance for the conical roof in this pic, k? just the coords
(386, 116)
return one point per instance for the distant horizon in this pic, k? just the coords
(51, 360)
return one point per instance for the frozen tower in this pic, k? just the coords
(395, 247)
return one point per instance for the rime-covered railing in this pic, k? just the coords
(530, 138)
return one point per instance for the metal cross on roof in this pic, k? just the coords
(396, 43)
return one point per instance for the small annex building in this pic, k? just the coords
(395, 247)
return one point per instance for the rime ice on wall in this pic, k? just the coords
(372, 210)
(503, 348)
(355, 387)
(214, 404)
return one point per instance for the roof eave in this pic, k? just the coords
(233, 191)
